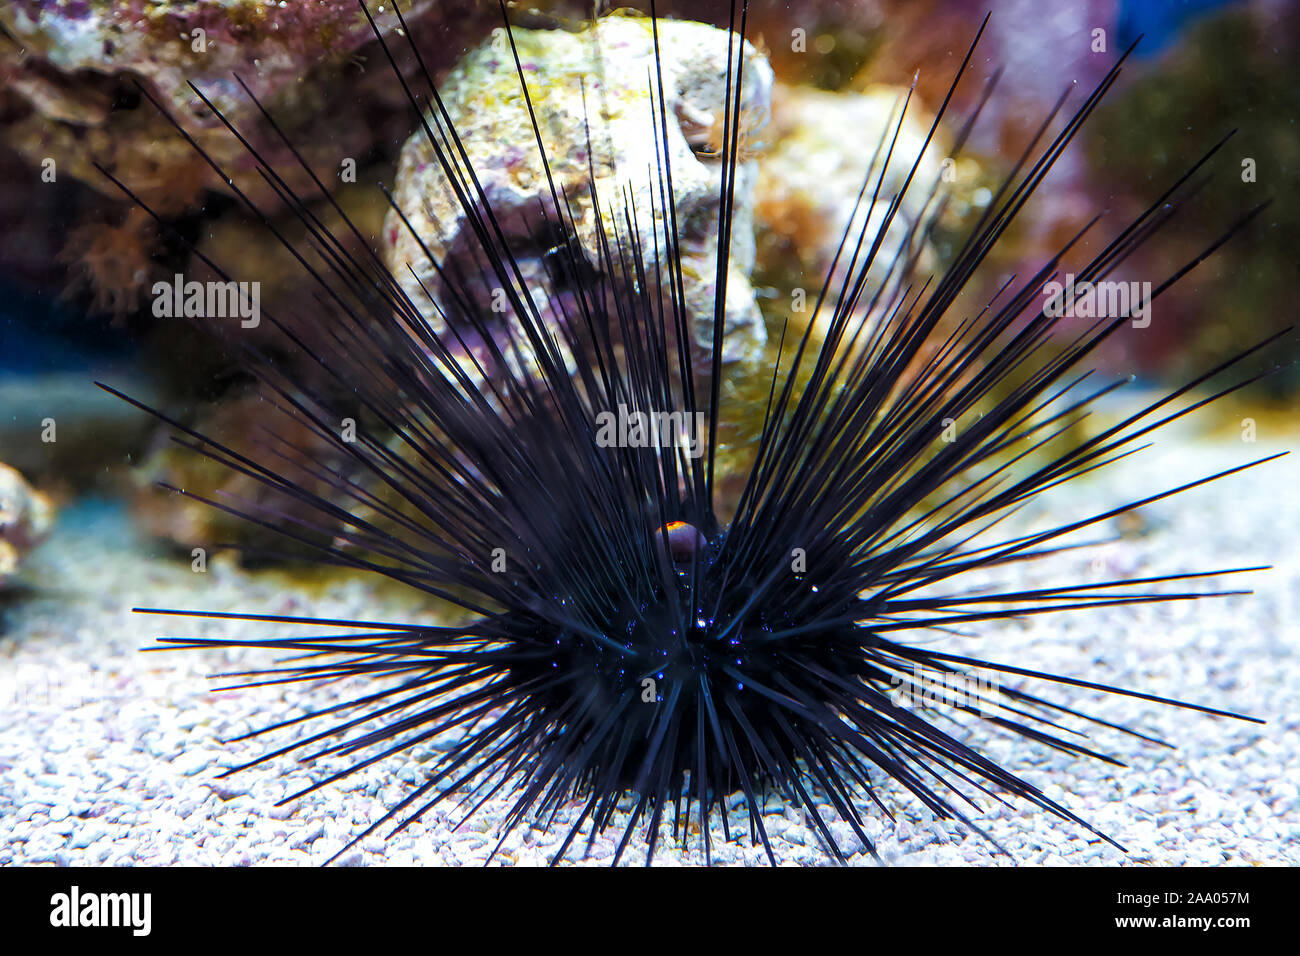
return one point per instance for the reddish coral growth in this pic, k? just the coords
(112, 262)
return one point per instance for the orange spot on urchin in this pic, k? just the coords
(684, 540)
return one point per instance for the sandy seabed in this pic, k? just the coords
(111, 756)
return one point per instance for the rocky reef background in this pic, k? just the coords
(77, 259)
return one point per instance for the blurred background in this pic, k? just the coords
(77, 259)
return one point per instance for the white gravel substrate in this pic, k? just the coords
(110, 756)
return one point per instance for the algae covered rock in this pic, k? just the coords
(186, 522)
(76, 82)
(590, 90)
(74, 77)
(837, 163)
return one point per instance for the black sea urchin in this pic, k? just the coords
(628, 646)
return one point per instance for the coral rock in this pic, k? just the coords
(69, 93)
(25, 518)
(187, 523)
(594, 83)
(811, 179)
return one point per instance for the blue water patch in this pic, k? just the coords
(1159, 22)
(39, 333)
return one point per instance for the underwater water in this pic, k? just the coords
(361, 283)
